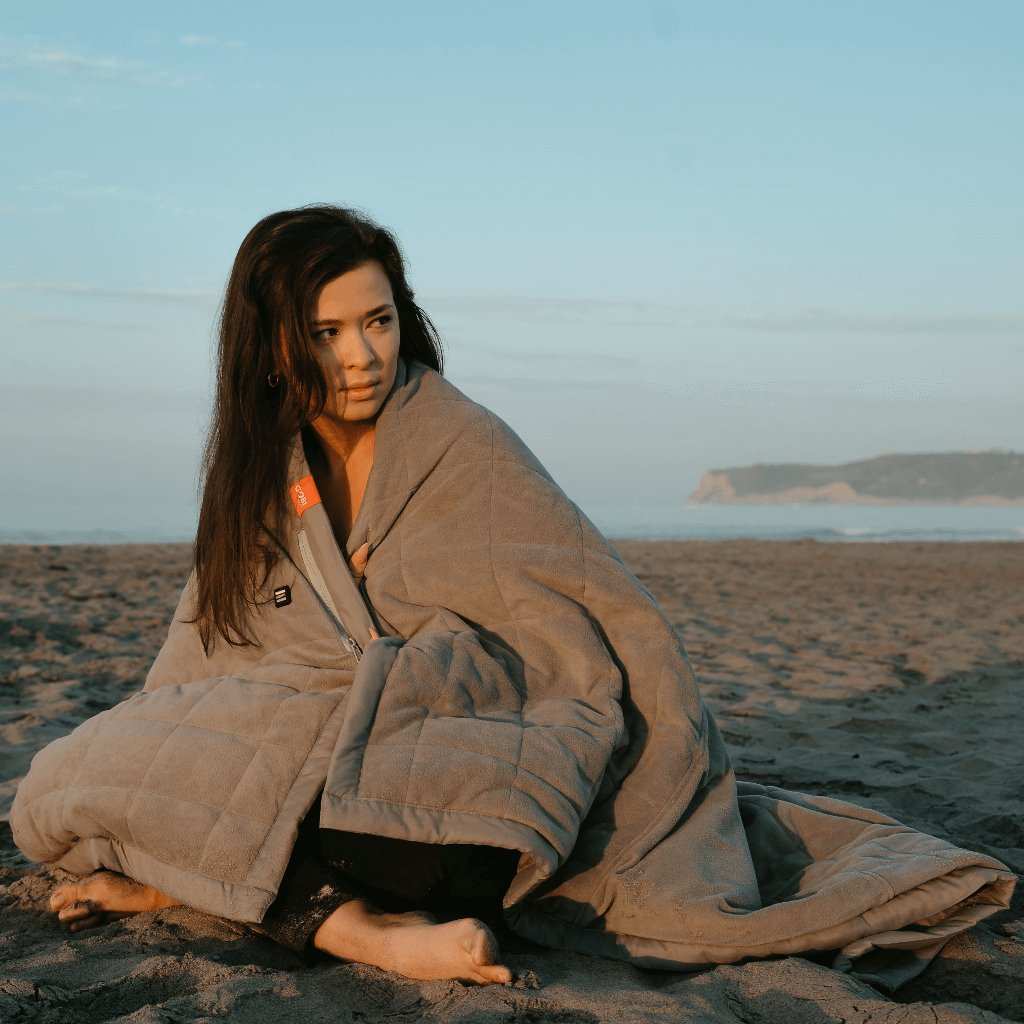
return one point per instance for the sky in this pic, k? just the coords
(657, 238)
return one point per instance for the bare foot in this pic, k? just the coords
(104, 896)
(413, 944)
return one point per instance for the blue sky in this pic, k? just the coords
(656, 237)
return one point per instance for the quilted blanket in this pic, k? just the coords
(495, 674)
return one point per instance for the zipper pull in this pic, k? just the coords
(353, 645)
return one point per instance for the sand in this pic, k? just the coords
(891, 675)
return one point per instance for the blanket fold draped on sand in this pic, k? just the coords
(496, 676)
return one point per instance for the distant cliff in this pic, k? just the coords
(994, 477)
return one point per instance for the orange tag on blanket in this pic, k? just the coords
(304, 495)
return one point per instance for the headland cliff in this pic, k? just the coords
(992, 477)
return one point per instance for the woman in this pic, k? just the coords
(330, 376)
(482, 712)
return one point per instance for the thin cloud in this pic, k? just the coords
(179, 296)
(575, 310)
(524, 384)
(654, 314)
(39, 99)
(76, 186)
(817, 320)
(19, 210)
(461, 347)
(74, 63)
(198, 40)
(58, 320)
(53, 60)
(551, 309)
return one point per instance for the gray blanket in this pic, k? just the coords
(496, 676)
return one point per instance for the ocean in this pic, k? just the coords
(654, 521)
(824, 522)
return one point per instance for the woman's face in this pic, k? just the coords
(356, 338)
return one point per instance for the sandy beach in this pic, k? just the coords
(887, 674)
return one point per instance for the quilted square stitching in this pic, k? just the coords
(231, 796)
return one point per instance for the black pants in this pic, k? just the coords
(328, 868)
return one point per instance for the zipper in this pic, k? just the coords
(319, 584)
(315, 579)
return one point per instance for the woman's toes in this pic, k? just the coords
(80, 915)
(62, 896)
(75, 911)
(494, 974)
(484, 951)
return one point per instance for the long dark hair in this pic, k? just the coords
(269, 303)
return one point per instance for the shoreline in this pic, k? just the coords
(784, 498)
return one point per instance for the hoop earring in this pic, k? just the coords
(273, 379)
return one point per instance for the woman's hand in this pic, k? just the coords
(359, 558)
